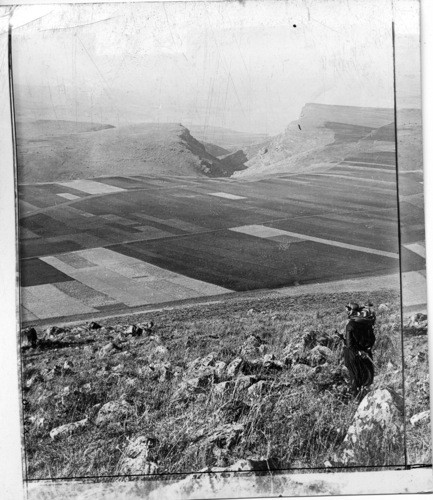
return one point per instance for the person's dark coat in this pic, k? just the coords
(358, 352)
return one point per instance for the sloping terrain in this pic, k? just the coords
(323, 135)
(162, 149)
(234, 161)
(255, 380)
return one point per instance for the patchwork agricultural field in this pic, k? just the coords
(116, 243)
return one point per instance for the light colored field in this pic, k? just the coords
(91, 187)
(228, 196)
(418, 248)
(104, 277)
(262, 231)
(414, 289)
(47, 301)
(68, 196)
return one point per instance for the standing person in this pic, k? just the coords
(359, 341)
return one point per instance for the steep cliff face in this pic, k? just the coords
(322, 135)
(61, 151)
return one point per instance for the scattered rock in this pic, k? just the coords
(223, 387)
(270, 363)
(197, 384)
(233, 410)
(234, 367)
(147, 371)
(244, 382)
(67, 429)
(163, 371)
(113, 411)
(50, 373)
(257, 390)
(319, 355)
(109, 348)
(148, 328)
(131, 382)
(252, 347)
(36, 377)
(294, 353)
(417, 324)
(255, 464)
(383, 308)
(94, 326)
(133, 330)
(301, 372)
(38, 422)
(136, 458)
(52, 331)
(327, 375)
(310, 339)
(29, 337)
(67, 367)
(420, 418)
(200, 364)
(160, 352)
(219, 369)
(86, 388)
(421, 357)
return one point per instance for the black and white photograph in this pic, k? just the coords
(221, 250)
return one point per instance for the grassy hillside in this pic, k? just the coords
(200, 412)
(85, 152)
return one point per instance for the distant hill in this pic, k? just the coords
(59, 150)
(214, 150)
(42, 129)
(323, 135)
(230, 140)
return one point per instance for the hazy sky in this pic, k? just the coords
(249, 66)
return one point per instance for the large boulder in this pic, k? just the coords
(376, 429)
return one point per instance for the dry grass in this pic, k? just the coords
(297, 422)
